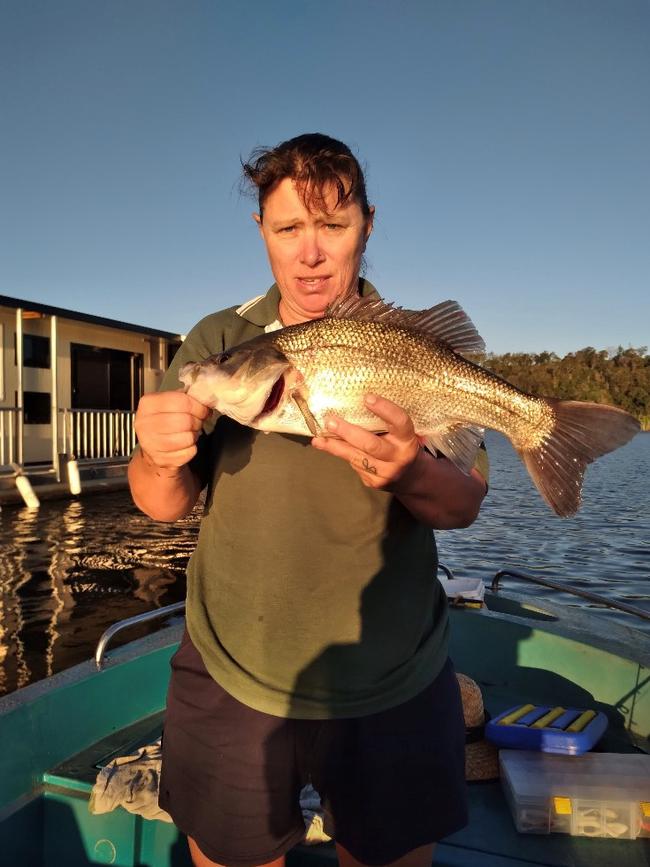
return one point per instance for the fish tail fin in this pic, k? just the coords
(581, 433)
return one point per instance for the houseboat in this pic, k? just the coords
(69, 386)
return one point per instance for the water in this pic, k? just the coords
(604, 548)
(70, 569)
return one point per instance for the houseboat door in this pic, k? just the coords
(105, 378)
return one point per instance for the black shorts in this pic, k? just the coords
(231, 776)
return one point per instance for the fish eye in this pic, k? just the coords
(224, 357)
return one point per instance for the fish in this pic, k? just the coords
(427, 362)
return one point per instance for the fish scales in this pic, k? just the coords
(410, 368)
(287, 381)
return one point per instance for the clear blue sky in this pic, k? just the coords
(507, 145)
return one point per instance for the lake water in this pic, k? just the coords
(72, 568)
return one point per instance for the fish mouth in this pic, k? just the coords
(275, 395)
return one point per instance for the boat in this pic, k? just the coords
(58, 733)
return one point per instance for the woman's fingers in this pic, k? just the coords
(379, 460)
(168, 424)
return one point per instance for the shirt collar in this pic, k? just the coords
(263, 311)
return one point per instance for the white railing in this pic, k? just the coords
(97, 434)
(9, 424)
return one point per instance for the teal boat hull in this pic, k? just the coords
(55, 733)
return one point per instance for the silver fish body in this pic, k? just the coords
(288, 381)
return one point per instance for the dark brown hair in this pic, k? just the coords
(317, 163)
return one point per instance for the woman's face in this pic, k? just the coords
(314, 256)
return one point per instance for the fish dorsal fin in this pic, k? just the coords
(447, 321)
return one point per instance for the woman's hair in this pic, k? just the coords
(317, 163)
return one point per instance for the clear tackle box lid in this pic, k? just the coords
(595, 794)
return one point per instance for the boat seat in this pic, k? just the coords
(80, 771)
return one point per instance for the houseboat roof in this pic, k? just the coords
(48, 310)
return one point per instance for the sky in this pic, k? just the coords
(506, 145)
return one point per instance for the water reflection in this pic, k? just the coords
(70, 569)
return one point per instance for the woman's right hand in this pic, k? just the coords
(168, 424)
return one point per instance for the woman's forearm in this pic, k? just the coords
(440, 495)
(163, 493)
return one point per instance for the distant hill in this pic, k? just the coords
(620, 378)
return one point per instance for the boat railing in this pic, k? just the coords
(574, 591)
(9, 438)
(178, 607)
(97, 434)
(136, 620)
(449, 574)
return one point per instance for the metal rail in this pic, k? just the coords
(157, 613)
(583, 594)
(177, 607)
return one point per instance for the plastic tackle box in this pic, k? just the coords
(567, 731)
(594, 795)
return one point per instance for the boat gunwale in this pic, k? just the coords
(575, 623)
(621, 640)
(170, 634)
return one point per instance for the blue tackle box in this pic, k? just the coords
(564, 730)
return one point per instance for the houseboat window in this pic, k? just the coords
(172, 349)
(155, 354)
(37, 406)
(36, 351)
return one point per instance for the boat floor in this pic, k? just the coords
(489, 840)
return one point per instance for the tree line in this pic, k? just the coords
(619, 378)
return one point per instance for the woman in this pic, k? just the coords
(316, 643)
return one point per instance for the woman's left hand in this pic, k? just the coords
(385, 461)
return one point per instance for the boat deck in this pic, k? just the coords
(517, 656)
(489, 840)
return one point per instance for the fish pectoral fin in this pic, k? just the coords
(300, 401)
(456, 441)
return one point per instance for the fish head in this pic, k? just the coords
(243, 383)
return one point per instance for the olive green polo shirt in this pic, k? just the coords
(309, 595)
